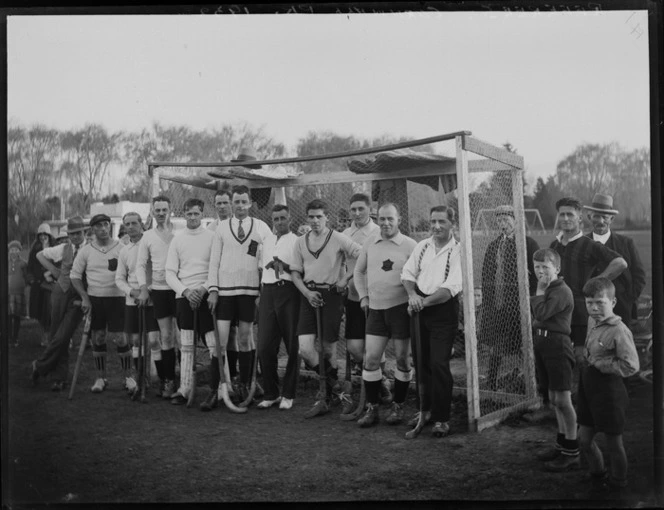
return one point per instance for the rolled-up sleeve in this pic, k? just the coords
(409, 272)
(297, 258)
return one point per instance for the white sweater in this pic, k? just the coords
(188, 260)
(152, 252)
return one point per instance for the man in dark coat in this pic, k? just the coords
(631, 282)
(501, 311)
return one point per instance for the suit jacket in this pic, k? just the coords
(631, 282)
(489, 270)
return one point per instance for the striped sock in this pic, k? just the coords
(570, 447)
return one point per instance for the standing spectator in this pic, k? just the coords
(18, 279)
(631, 282)
(432, 278)
(500, 293)
(579, 256)
(40, 294)
(65, 314)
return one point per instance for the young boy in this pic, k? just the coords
(610, 355)
(18, 277)
(552, 308)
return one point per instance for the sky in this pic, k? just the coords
(545, 82)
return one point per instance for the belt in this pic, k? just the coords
(324, 286)
(280, 283)
(542, 332)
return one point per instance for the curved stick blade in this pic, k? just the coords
(223, 389)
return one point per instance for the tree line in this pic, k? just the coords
(46, 166)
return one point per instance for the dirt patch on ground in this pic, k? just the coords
(107, 449)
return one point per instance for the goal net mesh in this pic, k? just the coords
(499, 338)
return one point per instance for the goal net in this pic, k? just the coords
(415, 177)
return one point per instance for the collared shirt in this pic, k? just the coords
(560, 236)
(553, 310)
(282, 248)
(360, 235)
(99, 264)
(378, 271)
(152, 253)
(602, 238)
(426, 268)
(325, 265)
(578, 259)
(610, 347)
(125, 276)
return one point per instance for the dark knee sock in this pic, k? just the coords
(214, 373)
(15, 326)
(373, 391)
(232, 363)
(245, 366)
(168, 363)
(400, 391)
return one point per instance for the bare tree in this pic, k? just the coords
(87, 154)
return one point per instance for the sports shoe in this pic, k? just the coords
(178, 399)
(130, 385)
(286, 403)
(211, 402)
(160, 389)
(396, 414)
(99, 385)
(34, 374)
(385, 392)
(370, 417)
(563, 463)
(259, 391)
(242, 392)
(416, 418)
(548, 454)
(266, 404)
(169, 388)
(440, 429)
(319, 408)
(347, 404)
(58, 386)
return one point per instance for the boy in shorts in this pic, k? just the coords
(552, 308)
(610, 355)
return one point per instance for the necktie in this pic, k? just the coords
(240, 231)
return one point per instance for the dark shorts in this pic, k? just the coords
(355, 320)
(131, 314)
(164, 303)
(234, 308)
(602, 401)
(107, 314)
(331, 314)
(391, 323)
(184, 316)
(554, 362)
(578, 335)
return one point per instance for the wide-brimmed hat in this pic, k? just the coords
(44, 228)
(98, 218)
(505, 210)
(13, 244)
(75, 224)
(246, 154)
(602, 203)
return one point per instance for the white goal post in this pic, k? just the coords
(486, 406)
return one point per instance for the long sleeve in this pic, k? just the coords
(121, 275)
(212, 282)
(172, 267)
(625, 362)
(351, 248)
(360, 274)
(546, 306)
(142, 263)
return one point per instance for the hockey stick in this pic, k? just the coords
(355, 414)
(192, 391)
(321, 405)
(252, 387)
(143, 350)
(81, 350)
(223, 369)
(415, 333)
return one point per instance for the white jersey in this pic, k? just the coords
(151, 258)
